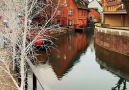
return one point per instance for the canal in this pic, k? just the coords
(78, 64)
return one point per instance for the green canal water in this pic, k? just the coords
(78, 64)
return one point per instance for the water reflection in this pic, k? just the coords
(67, 54)
(74, 66)
(115, 63)
(119, 83)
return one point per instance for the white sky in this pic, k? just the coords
(91, 0)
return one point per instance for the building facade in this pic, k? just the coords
(94, 15)
(114, 13)
(96, 10)
(73, 13)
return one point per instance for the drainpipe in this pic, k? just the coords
(103, 17)
(124, 20)
(121, 20)
(128, 19)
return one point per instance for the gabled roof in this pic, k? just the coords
(100, 3)
(86, 1)
(81, 4)
(114, 3)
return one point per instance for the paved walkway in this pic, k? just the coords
(117, 31)
(6, 82)
(112, 27)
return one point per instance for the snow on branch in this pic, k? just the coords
(23, 23)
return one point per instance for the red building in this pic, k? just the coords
(94, 15)
(72, 13)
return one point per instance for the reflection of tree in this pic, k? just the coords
(119, 83)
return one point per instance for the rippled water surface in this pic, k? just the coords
(78, 65)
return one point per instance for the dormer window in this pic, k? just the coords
(70, 12)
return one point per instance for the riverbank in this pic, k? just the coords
(112, 27)
(62, 31)
(112, 39)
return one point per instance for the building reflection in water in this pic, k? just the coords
(115, 63)
(66, 55)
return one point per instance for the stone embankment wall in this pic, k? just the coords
(112, 39)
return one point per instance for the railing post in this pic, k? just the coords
(34, 82)
(26, 81)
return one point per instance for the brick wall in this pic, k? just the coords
(115, 40)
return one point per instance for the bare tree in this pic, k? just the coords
(19, 24)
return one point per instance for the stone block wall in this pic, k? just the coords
(112, 39)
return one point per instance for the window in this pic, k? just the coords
(58, 12)
(70, 12)
(70, 22)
